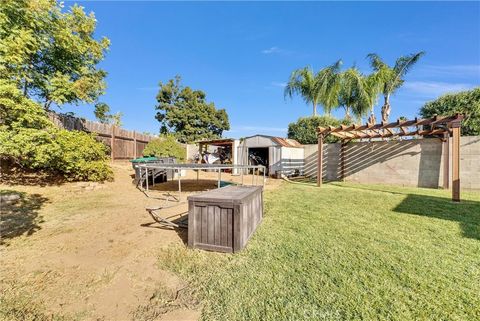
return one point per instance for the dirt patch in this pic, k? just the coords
(90, 253)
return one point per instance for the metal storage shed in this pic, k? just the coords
(281, 155)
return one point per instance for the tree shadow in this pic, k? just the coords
(12, 175)
(19, 216)
(466, 213)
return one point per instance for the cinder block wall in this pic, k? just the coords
(408, 163)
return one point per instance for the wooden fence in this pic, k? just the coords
(124, 144)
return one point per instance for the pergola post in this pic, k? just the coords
(320, 161)
(456, 162)
(446, 160)
(342, 160)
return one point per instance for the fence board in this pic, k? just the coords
(127, 144)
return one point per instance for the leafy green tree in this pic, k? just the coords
(50, 53)
(102, 113)
(320, 88)
(466, 103)
(304, 130)
(185, 113)
(354, 95)
(165, 146)
(392, 78)
(48, 56)
(116, 119)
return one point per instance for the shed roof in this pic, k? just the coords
(216, 142)
(284, 142)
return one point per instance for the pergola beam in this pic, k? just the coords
(440, 126)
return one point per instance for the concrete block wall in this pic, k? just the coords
(469, 162)
(407, 163)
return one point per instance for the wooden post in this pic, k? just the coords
(320, 161)
(112, 143)
(179, 179)
(456, 162)
(342, 156)
(446, 160)
(219, 177)
(134, 144)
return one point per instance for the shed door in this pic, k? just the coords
(275, 161)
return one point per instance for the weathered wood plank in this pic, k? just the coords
(229, 216)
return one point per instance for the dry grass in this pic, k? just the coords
(76, 251)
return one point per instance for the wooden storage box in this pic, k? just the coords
(225, 218)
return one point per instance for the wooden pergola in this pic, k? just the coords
(438, 126)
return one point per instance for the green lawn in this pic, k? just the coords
(345, 252)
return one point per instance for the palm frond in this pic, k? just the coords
(301, 82)
(404, 63)
(376, 62)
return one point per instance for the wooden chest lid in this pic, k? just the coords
(230, 194)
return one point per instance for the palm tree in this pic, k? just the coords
(354, 95)
(392, 77)
(320, 88)
(329, 82)
(374, 88)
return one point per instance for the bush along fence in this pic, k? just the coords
(124, 144)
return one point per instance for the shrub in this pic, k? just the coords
(466, 103)
(73, 154)
(304, 130)
(30, 140)
(165, 146)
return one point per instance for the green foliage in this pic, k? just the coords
(102, 113)
(17, 111)
(305, 129)
(466, 103)
(185, 113)
(392, 78)
(320, 88)
(354, 94)
(50, 53)
(165, 146)
(29, 139)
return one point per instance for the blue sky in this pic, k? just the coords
(241, 54)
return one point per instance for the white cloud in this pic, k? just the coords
(275, 50)
(278, 84)
(434, 88)
(271, 50)
(452, 70)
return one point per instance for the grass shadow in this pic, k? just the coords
(20, 215)
(466, 213)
